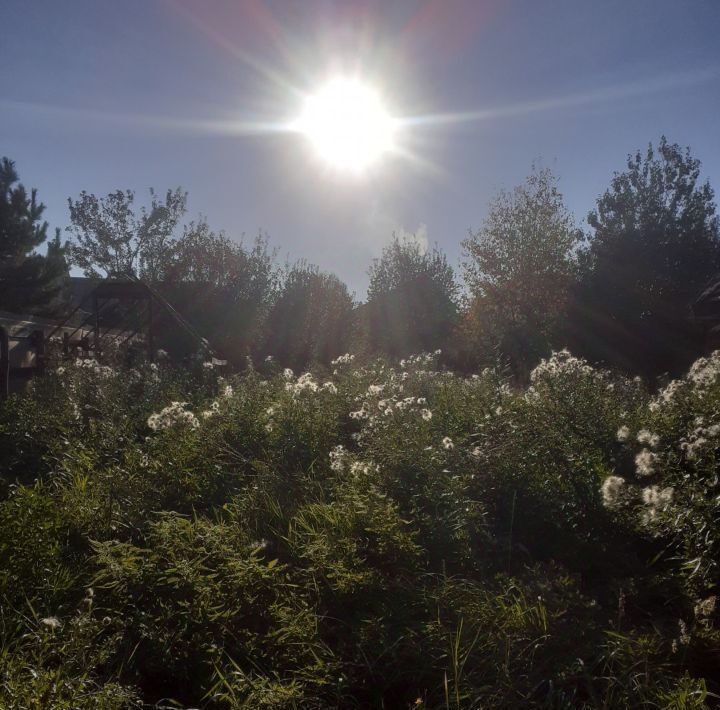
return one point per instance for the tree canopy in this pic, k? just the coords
(311, 319)
(519, 267)
(29, 281)
(112, 238)
(412, 301)
(655, 245)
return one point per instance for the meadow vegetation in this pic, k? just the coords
(367, 534)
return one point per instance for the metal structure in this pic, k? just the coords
(117, 311)
(111, 297)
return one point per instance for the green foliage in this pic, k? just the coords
(363, 536)
(311, 318)
(520, 268)
(109, 238)
(412, 300)
(655, 245)
(29, 282)
(224, 287)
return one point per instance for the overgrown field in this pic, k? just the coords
(367, 536)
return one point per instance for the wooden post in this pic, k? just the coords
(4, 364)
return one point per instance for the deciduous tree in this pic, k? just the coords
(311, 320)
(112, 239)
(412, 302)
(520, 267)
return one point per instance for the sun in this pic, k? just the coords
(347, 124)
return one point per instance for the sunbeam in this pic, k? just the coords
(604, 95)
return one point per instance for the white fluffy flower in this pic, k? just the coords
(345, 359)
(561, 364)
(172, 416)
(51, 623)
(337, 458)
(657, 497)
(426, 414)
(362, 468)
(623, 433)
(360, 414)
(655, 500)
(647, 437)
(214, 409)
(611, 490)
(447, 443)
(645, 463)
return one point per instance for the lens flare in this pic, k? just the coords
(347, 125)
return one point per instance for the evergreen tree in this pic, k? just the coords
(656, 244)
(29, 282)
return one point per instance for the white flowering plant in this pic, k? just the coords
(369, 533)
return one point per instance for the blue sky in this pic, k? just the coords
(100, 95)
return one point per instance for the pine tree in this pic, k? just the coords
(656, 243)
(29, 282)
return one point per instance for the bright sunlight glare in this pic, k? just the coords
(347, 125)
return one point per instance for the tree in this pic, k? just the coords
(109, 236)
(29, 282)
(654, 247)
(412, 301)
(311, 320)
(223, 287)
(520, 267)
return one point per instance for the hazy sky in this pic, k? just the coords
(100, 95)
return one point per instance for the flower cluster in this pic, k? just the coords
(388, 406)
(703, 374)
(612, 490)
(705, 371)
(94, 366)
(345, 359)
(655, 500)
(341, 460)
(645, 463)
(214, 409)
(306, 383)
(561, 364)
(701, 439)
(174, 415)
(420, 360)
(647, 437)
